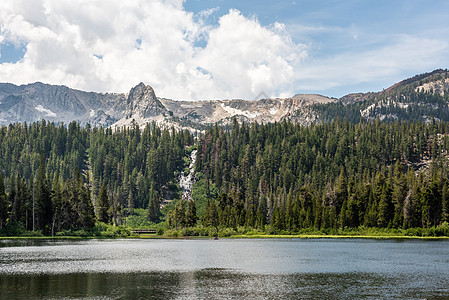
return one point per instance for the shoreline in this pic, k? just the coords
(241, 236)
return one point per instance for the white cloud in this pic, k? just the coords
(111, 45)
(385, 62)
(106, 45)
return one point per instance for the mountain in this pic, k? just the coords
(418, 98)
(33, 102)
(423, 97)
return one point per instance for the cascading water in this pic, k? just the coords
(186, 181)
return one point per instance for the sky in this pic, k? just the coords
(222, 49)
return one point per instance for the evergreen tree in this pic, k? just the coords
(3, 203)
(341, 190)
(153, 205)
(42, 200)
(210, 217)
(191, 214)
(103, 206)
(87, 213)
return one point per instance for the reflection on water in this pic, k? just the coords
(218, 284)
(231, 269)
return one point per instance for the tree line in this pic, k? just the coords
(335, 175)
(57, 177)
(278, 177)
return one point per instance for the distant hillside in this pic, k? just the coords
(421, 97)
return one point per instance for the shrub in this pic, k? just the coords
(13, 229)
(226, 232)
(173, 233)
(33, 233)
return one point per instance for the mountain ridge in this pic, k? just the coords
(427, 93)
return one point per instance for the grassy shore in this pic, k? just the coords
(237, 236)
(104, 231)
(333, 236)
(298, 236)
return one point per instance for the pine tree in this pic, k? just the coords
(445, 202)
(210, 217)
(180, 214)
(153, 205)
(43, 207)
(87, 213)
(103, 206)
(12, 199)
(341, 190)
(57, 204)
(384, 208)
(262, 213)
(398, 194)
(3, 203)
(191, 213)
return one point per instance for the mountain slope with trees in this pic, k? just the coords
(418, 98)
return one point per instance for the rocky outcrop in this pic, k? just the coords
(142, 103)
(440, 87)
(261, 111)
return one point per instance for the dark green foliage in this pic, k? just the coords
(3, 203)
(56, 173)
(103, 206)
(154, 212)
(211, 216)
(334, 175)
(42, 210)
(177, 218)
(191, 216)
(273, 177)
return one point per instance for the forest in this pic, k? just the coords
(275, 178)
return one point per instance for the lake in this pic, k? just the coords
(224, 269)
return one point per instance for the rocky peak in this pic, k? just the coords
(139, 91)
(142, 102)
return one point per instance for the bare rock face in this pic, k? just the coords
(37, 101)
(142, 103)
(440, 87)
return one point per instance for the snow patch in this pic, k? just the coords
(273, 111)
(191, 106)
(92, 113)
(233, 111)
(44, 110)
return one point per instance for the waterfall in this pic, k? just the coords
(186, 181)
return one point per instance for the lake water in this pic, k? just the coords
(224, 269)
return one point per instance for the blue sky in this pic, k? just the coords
(342, 28)
(224, 49)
